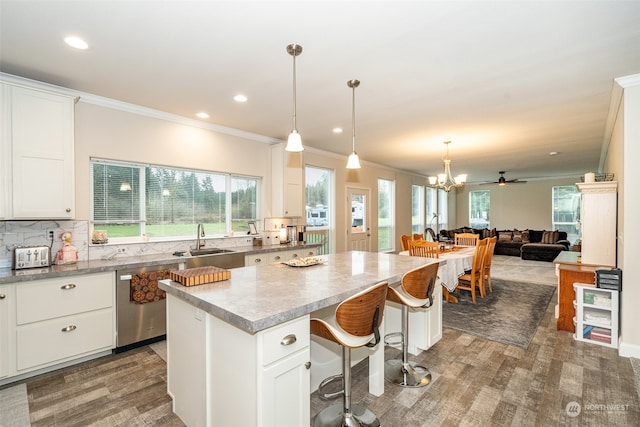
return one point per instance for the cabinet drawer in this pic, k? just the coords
(51, 298)
(280, 256)
(283, 340)
(65, 337)
(256, 259)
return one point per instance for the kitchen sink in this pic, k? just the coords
(209, 251)
(222, 258)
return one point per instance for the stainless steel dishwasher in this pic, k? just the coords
(139, 324)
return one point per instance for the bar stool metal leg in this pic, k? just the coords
(403, 372)
(344, 415)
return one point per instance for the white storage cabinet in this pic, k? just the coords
(278, 256)
(597, 315)
(7, 304)
(64, 318)
(287, 177)
(37, 147)
(210, 362)
(598, 222)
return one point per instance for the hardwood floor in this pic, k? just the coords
(476, 382)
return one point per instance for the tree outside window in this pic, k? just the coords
(479, 209)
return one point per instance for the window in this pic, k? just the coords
(385, 215)
(479, 209)
(319, 206)
(417, 209)
(566, 210)
(443, 209)
(132, 201)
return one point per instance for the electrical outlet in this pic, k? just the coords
(50, 234)
(122, 250)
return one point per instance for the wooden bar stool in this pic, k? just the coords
(354, 324)
(415, 291)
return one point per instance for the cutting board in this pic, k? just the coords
(200, 275)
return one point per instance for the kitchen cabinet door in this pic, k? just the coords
(42, 157)
(287, 192)
(7, 303)
(285, 391)
(5, 152)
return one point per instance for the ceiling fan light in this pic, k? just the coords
(294, 142)
(353, 162)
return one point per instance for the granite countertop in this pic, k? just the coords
(8, 275)
(259, 297)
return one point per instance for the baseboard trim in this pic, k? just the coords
(629, 350)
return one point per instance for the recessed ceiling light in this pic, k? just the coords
(202, 115)
(76, 42)
(553, 153)
(240, 98)
(337, 130)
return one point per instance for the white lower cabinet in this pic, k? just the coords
(58, 320)
(7, 304)
(278, 256)
(219, 375)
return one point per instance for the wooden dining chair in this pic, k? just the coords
(475, 278)
(404, 241)
(424, 248)
(466, 239)
(488, 257)
(418, 236)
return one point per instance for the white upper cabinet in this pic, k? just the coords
(38, 129)
(287, 173)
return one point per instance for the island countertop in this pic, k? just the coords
(259, 297)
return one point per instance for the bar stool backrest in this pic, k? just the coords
(362, 313)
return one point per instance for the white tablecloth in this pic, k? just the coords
(457, 263)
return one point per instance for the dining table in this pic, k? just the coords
(459, 259)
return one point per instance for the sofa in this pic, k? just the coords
(536, 245)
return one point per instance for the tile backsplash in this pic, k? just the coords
(36, 233)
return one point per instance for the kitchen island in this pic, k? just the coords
(239, 350)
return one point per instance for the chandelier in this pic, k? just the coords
(445, 180)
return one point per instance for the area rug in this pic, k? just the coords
(510, 315)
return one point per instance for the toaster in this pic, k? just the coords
(31, 257)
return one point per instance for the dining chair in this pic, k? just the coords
(404, 241)
(424, 248)
(488, 257)
(466, 239)
(418, 236)
(475, 278)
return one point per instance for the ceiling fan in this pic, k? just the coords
(503, 181)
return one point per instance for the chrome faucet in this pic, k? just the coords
(199, 234)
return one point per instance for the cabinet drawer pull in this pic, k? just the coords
(69, 286)
(67, 210)
(2, 296)
(257, 260)
(307, 365)
(288, 340)
(69, 328)
(277, 258)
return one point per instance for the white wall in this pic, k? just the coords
(520, 206)
(629, 210)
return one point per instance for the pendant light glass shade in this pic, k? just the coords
(294, 142)
(353, 162)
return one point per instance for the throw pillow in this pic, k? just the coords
(517, 235)
(550, 236)
(505, 236)
(525, 236)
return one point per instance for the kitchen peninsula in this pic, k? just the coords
(239, 350)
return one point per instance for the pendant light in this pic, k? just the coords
(294, 142)
(353, 162)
